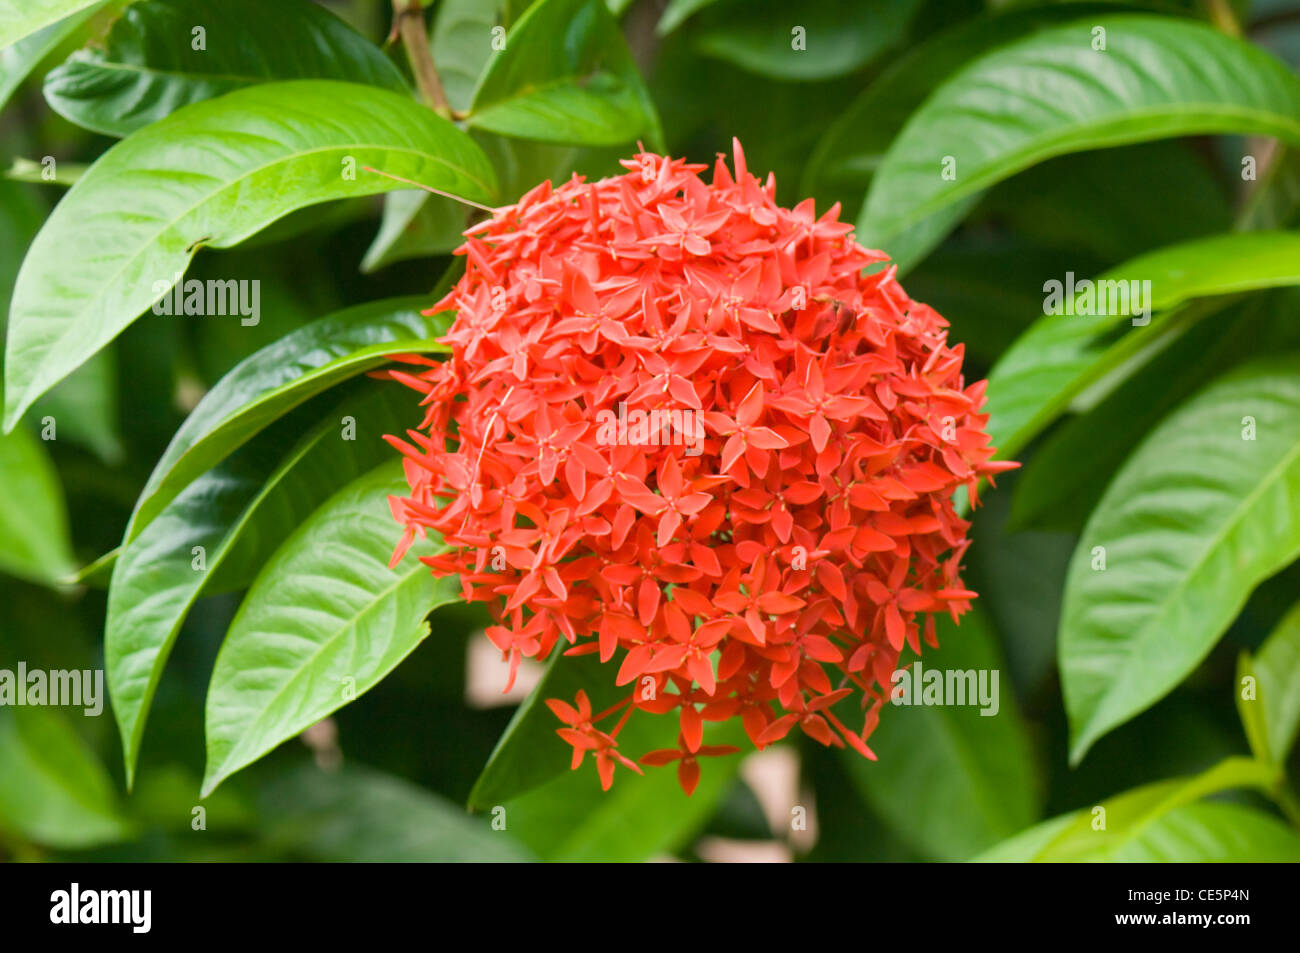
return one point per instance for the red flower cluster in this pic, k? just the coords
(679, 427)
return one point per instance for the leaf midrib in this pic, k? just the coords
(72, 321)
(1230, 525)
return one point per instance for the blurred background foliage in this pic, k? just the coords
(387, 777)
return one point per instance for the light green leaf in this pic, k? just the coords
(1206, 508)
(1272, 714)
(151, 63)
(213, 173)
(17, 61)
(34, 541)
(566, 75)
(358, 815)
(269, 383)
(951, 781)
(226, 524)
(1061, 354)
(21, 18)
(52, 789)
(1158, 77)
(323, 623)
(1162, 821)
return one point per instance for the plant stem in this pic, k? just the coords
(1224, 20)
(408, 23)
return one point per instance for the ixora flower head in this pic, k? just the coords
(681, 428)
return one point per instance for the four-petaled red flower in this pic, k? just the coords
(765, 546)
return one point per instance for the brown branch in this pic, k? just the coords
(408, 23)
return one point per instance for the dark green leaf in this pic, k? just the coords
(359, 815)
(813, 42)
(952, 781)
(566, 76)
(154, 62)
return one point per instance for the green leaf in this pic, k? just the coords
(52, 789)
(529, 753)
(21, 18)
(358, 815)
(1061, 354)
(814, 42)
(34, 541)
(213, 173)
(419, 225)
(269, 383)
(227, 523)
(850, 151)
(1070, 469)
(323, 623)
(462, 45)
(149, 66)
(1272, 714)
(17, 61)
(1162, 821)
(571, 820)
(1158, 77)
(1198, 516)
(951, 781)
(415, 225)
(566, 75)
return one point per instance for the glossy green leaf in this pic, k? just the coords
(17, 61)
(152, 63)
(85, 404)
(213, 173)
(850, 151)
(268, 384)
(813, 42)
(1158, 77)
(1061, 354)
(34, 542)
(22, 18)
(359, 815)
(951, 781)
(1271, 713)
(52, 789)
(227, 522)
(566, 76)
(323, 623)
(1206, 508)
(1161, 821)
